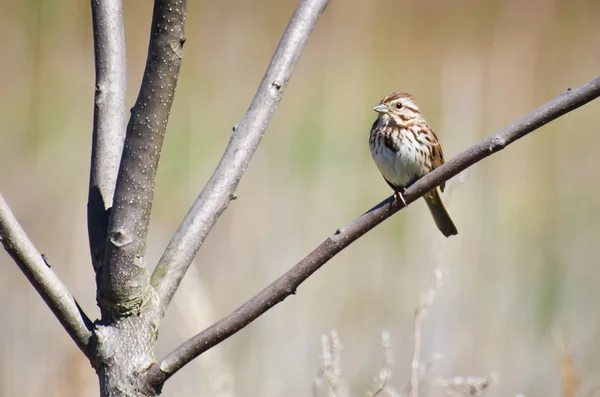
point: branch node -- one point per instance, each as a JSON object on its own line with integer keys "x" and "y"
{"x": 120, "y": 239}
{"x": 498, "y": 144}
{"x": 177, "y": 47}
{"x": 45, "y": 258}
{"x": 163, "y": 368}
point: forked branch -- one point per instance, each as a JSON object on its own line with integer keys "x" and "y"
{"x": 44, "y": 280}
{"x": 218, "y": 192}
{"x": 289, "y": 282}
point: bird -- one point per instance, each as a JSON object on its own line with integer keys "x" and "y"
{"x": 405, "y": 148}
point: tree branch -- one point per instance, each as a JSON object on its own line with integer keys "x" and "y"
{"x": 218, "y": 192}
{"x": 109, "y": 119}
{"x": 124, "y": 283}
{"x": 289, "y": 282}
{"x": 45, "y": 281}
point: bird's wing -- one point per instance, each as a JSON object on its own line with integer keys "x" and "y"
{"x": 437, "y": 156}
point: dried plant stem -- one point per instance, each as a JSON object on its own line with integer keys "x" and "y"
{"x": 420, "y": 313}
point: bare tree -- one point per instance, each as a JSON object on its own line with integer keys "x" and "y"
{"x": 120, "y": 345}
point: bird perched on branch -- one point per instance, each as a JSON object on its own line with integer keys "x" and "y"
{"x": 405, "y": 148}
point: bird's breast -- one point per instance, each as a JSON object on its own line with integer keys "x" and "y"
{"x": 399, "y": 156}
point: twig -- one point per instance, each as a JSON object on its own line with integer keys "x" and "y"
{"x": 109, "y": 118}
{"x": 124, "y": 282}
{"x": 287, "y": 284}
{"x": 218, "y": 192}
{"x": 44, "y": 280}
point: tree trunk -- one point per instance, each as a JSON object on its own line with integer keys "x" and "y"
{"x": 124, "y": 351}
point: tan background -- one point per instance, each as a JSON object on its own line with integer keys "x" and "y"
{"x": 524, "y": 266}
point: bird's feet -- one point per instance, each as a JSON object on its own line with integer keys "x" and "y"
{"x": 398, "y": 196}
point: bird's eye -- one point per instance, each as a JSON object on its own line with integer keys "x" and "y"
{"x": 398, "y": 105}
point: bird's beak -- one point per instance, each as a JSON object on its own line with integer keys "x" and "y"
{"x": 381, "y": 108}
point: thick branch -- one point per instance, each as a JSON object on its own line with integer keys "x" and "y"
{"x": 124, "y": 282}
{"x": 289, "y": 282}
{"x": 109, "y": 118}
{"x": 44, "y": 280}
{"x": 218, "y": 192}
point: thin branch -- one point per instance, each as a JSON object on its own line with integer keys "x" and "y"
{"x": 288, "y": 283}
{"x": 218, "y": 192}
{"x": 109, "y": 119}
{"x": 44, "y": 280}
{"x": 124, "y": 283}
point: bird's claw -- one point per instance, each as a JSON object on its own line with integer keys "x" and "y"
{"x": 400, "y": 197}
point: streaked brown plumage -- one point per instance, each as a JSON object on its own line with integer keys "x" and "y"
{"x": 405, "y": 148}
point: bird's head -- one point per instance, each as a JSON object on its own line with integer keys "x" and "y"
{"x": 398, "y": 107}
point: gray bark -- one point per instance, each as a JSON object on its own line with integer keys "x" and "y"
{"x": 123, "y": 280}
{"x": 123, "y": 351}
{"x": 109, "y": 119}
{"x": 123, "y": 339}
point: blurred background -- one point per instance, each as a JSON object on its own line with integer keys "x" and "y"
{"x": 520, "y": 280}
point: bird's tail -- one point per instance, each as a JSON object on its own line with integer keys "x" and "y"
{"x": 440, "y": 213}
